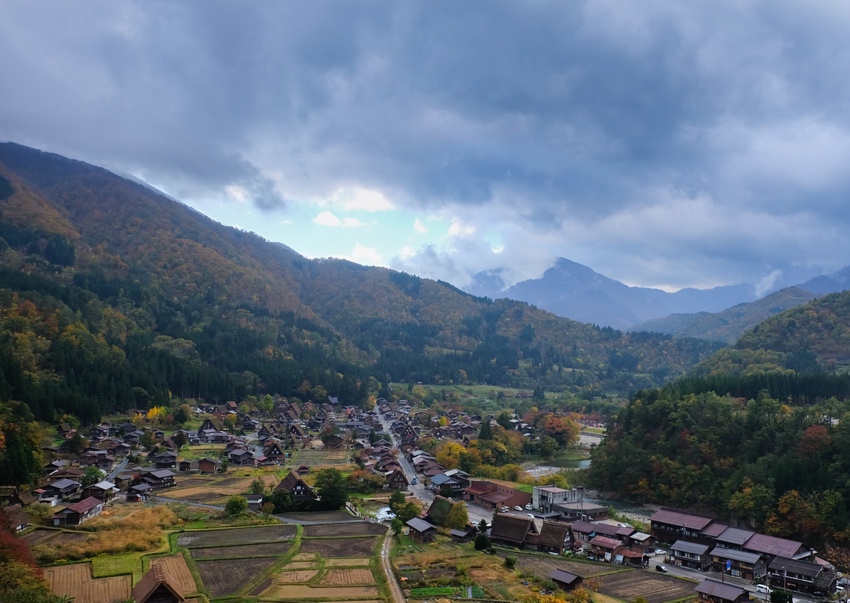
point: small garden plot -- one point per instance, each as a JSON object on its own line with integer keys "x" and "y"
{"x": 304, "y": 557}
{"x": 361, "y": 528}
{"x": 353, "y": 562}
{"x": 300, "y": 592}
{"x": 354, "y": 547}
{"x": 541, "y": 567}
{"x": 236, "y": 536}
{"x": 266, "y": 549}
{"x": 301, "y": 565}
{"x": 655, "y": 589}
{"x": 65, "y": 538}
{"x": 76, "y": 581}
{"x": 295, "y": 577}
{"x": 322, "y": 517}
{"x": 38, "y": 536}
{"x": 345, "y": 577}
{"x": 229, "y": 577}
{"x": 175, "y": 566}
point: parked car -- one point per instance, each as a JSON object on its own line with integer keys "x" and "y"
{"x": 517, "y": 508}
{"x": 529, "y": 515}
{"x": 503, "y": 509}
{"x": 661, "y": 568}
{"x": 529, "y": 507}
{"x": 660, "y": 552}
{"x": 763, "y": 588}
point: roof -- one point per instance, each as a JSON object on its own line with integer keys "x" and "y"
{"x": 64, "y": 483}
{"x": 640, "y": 536}
{"x": 721, "y": 590}
{"x": 803, "y": 568}
{"x": 605, "y": 543}
{"x": 439, "y": 510}
{"x": 735, "y": 536}
{"x": 420, "y": 525}
{"x": 734, "y": 555}
{"x": 598, "y": 528}
{"x": 495, "y": 497}
{"x": 679, "y": 519}
{"x": 157, "y": 576}
{"x": 104, "y": 485}
{"x": 772, "y": 545}
{"x": 563, "y": 577}
{"x": 288, "y": 483}
{"x": 554, "y": 533}
{"x": 510, "y": 527}
{"x": 84, "y": 506}
{"x": 689, "y": 547}
{"x": 714, "y": 529}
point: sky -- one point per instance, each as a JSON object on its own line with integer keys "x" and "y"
{"x": 663, "y": 144}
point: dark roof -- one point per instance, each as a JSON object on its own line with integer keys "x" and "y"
{"x": 563, "y": 577}
{"x": 735, "y": 536}
{"x": 721, "y": 590}
{"x": 439, "y": 510}
{"x": 600, "y": 528}
{"x": 803, "y": 568}
{"x": 761, "y": 543}
{"x": 510, "y": 527}
{"x": 420, "y": 525}
{"x": 680, "y": 519}
{"x": 714, "y": 529}
{"x": 606, "y": 543}
{"x": 86, "y": 505}
{"x": 689, "y": 547}
{"x": 157, "y": 576}
{"x": 734, "y": 555}
{"x": 63, "y": 483}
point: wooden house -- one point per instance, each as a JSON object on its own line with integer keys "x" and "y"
{"x": 421, "y": 531}
{"x": 297, "y": 488}
{"x": 157, "y": 586}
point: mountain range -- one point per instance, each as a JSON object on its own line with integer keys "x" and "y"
{"x": 112, "y": 294}
{"x": 572, "y": 290}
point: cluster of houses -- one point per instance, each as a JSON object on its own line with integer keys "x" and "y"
{"x": 704, "y": 543}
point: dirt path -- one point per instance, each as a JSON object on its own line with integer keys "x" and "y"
{"x": 395, "y": 590}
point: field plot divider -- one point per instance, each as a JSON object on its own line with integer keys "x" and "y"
{"x": 294, "y": 549}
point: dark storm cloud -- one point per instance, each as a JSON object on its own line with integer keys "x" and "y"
{"x": 578, "y": 116}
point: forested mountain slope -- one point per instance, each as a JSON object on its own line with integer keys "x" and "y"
{"x": 112, "y": 295}
{"x": 809, "y": 338}
{"x": 728, "y": 325}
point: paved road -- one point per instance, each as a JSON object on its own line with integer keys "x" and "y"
{"x": 395, "y": 589}
{"x": 118, "y": 469}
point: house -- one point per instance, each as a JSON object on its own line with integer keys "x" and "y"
{"x": 565, "y": 580}
{"x": 242, "y": 457}
{"x": 741, "y": 564}
{"x": 208, "y": 465}
{"x": 554, "y": 537}
{"x": 156, "y": 586}
{"x": 396, "y": 480}
{"x": 421, "y": 530}
{"x": 161, "y": 478}
{"x": 78, "y": 512}
{"x": 584, "y": 532}
{"x": 495, "y": 494}
{"x": 296, "y": 487}
{"x": 603, "y": 547}
{"x": 670, "y": 525}
{"x": 771, "y": 547}
{"x": 581, "y": 511}
{"x": 439, "y": 511}
{"x": 255, "y": 501}
{"x": 714, "y": 591}
{"x": 104, "y": 491}
{"x": 691, "y": 554}
{"x": 464, "y": 535}
{"x": 511, "y": 530}
{"x": 61, "y": 488}
{"x": 802, "y": 576}
{"x": 139, "y": 492}
{"x": 184, "y": 466}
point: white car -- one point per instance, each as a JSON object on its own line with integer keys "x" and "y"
{"x": 529, "y": 507}
{"x": 763, "y": 588}
{"x": 517, "y": 508}
{"x": 660, "y": 552}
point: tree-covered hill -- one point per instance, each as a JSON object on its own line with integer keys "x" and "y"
{"x": 112, "y": 295}
{"x": 727, "y": 326}
{"x": 809, "y": 338}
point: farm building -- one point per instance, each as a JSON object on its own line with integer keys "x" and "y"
{"x": 720, "y": 592}
{"x": 421, "y": 530}
{"x": 565, "y": 580}
{"x": 157, "y": 586}
{"x": 78, "y": 512}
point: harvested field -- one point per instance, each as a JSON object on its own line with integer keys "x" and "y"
{"x": 76, "y": 581}
{"x": 64, "y": 538}
{"x": 345, "y": 577}
{"x": 354, "y": 547}
{"x": 223, "y": 578}
{"x": 230, "y": 482}
{"x": 299, "y": 592}
{"x": 39, "y": 536}
{"x": 542, "y": 567}
{"x": 362, "y": 528}
{"x": 299, "y": 576}
{"x": 191, "y": 482}
{"x": 241, "y": 551}
{"x": 209, "y": 538}
{"x": 301, "y": 565}
{"x": 655, "y": 589}
{"x": 204, "y": 496}
{"x": 175, "y": 566}
{"x": 316, "y": 458}
{"x": 322, "y": 517}
{"x": 352, "y": 562}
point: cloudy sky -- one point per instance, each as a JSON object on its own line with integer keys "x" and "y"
{"x": 664, "y": 144}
